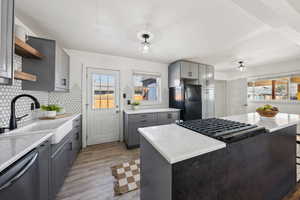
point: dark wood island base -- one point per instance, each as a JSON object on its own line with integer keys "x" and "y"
{"x": 258, "y": 168}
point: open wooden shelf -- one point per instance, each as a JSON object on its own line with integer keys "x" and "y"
{"x": 25, "y": 50}
{"x": 24, "y": 76}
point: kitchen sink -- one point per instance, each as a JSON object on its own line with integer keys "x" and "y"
{"x": 59, "y": 127}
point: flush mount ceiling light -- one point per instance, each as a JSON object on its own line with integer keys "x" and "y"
{"x": 145, "y": 37}
{"x": 241, "y": 67}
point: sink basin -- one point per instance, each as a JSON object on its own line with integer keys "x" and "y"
{"x": 59, "y": 127}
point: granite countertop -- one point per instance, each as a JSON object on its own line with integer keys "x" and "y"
{"x": 155, "y": 110}
{"x": 176, "y": 143}
{"x": 280, "y": 121}
{"x": 15, "y": 147}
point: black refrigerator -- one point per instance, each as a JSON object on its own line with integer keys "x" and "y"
{"x": 188, "y": 99}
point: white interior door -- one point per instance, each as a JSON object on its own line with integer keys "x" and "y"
{"x": 103, "y": 115}
{"x": 237, "y": 96}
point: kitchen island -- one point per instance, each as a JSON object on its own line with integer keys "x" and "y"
{"x": 178, "y": 163}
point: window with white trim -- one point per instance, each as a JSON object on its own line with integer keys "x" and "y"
{"x": 146, "y": 88}
{"x": 286, "y": 88}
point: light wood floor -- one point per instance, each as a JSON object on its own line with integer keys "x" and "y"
{"x": 90, "y": 177}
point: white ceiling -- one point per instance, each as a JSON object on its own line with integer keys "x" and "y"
{"x": 218, "y": 32}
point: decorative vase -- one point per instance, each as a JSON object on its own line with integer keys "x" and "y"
{"x": 50, "y": 114}
{"x": 135, "y": 107}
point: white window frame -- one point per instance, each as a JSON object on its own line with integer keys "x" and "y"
{"x": 154, "y": 74}
{"x": 276, "y": 76}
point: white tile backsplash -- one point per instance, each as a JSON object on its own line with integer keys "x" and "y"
{"x": 23, "y": 105}
{"x": 71, "y": 101}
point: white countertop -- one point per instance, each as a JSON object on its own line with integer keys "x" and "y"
{"x": 17, "y": 143}
{"x": 176, "y": 143}
{"x": 280, "y": 121}
{"x": 156, "y": 110}
{"x": 14, "y": 148}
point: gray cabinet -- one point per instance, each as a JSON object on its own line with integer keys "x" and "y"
{"x": 188, "y": 70}
{"x": 63, "y": 156}
{"x": 202, "y": 75}
{"x": 210, "y": 77}
{"x": 60, "y": 164}
{"x": 6, "y": 41}
{"x": 52, "y": 70}
{"x": 167, "y": 117}
{"x": 182, "y": 70}
{"x": 132, "y": 122}
{"x": 44, "y": 170}
{"x": 208, "y": 105}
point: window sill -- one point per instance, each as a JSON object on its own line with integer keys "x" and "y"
{"x": 275, "y": 101}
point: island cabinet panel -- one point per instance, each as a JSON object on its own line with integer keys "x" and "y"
{"x": 261, "y": 168}
{"x": 132, "y": 122}
{"x": 157, "y": 173}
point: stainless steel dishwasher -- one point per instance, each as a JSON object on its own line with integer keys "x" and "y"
{"x": 20, "y": 180}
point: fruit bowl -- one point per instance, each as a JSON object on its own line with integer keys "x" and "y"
{"x": 267, "y": 111}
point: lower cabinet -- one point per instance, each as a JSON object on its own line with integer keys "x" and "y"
{"x": 63, "y": 156}
{"x": 44, "y": 170}
{"x": 132, "y": 122}
{"x": 60, "y": 166}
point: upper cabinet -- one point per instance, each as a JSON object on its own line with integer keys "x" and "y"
{"x": 210, "y": 76}
{"x": 191, "y": 73}
{"x": 52, "y": 70}
{"x": 6, "y": 41}
{"x": 183, "y": 70}
{"x": 188, "y": 70}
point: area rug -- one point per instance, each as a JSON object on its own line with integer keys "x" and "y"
{"x": 127, "y": 177}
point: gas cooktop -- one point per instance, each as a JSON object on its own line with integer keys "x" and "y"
{"x": 221, "y": 129}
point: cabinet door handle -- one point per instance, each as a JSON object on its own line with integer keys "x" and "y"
{"x": 190, "y": 73}
{"x": 144, "y": 120}
{"x": 64, "y": 82}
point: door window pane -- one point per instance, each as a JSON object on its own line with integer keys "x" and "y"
{"x": 103, "y": 91}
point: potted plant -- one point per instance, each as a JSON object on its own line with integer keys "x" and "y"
{"x": 50, "y": 110}
{"x": 135, "y": 105}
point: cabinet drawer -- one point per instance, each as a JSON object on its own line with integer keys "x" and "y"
{"x": 168, "y": 117}
{"x": 143, "y": 118}
{"x": 77, "y": 122}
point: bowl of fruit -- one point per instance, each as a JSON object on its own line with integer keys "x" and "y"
{"x": 267, "y": 111}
